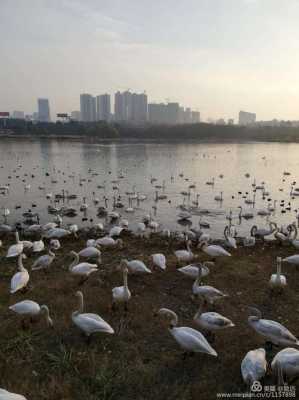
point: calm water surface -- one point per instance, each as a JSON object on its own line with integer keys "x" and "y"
{"x": 178, "y": 164}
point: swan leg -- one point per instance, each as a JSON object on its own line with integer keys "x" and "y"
{"x": 268, "y": 346}
{"x": 113, "y": 306}
{"x": 83, "y": 280}
{"x": 126, "y": 306}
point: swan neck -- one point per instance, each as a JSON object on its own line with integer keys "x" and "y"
{"x": 75, "y": 261}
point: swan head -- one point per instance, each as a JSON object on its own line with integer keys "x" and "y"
{"x": 254, "y": 314}
{"x": 170, "y": 315}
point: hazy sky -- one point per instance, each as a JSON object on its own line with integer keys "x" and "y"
{"x": 218, "y": 56}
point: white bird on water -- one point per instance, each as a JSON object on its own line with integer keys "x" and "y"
{"x": 189, "y": 339}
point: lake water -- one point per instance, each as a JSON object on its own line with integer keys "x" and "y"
{"x": 179, "y": 165}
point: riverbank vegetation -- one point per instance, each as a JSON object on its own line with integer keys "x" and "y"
{"x": 141, "y": 360}
{"x": 115, "y": 131}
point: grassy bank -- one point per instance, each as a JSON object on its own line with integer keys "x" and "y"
{"x": 142, "y": 360}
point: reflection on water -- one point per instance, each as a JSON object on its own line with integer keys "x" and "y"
{"x": 188, "y": 164}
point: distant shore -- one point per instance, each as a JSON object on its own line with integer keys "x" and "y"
{"x": 113, "y": 132}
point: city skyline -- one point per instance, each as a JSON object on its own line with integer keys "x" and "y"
{"x": 216, "y": 56}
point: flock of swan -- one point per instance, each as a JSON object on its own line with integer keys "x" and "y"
{"x": 285, "y": 364}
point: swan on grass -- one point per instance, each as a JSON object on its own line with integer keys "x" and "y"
{"x": 21, "y": 278}
{"x": 5, "y": 395}
{"x": 137, "y": 267}
{"x": 16, "y": 249}
{"x": 159, "y": 260}
{"x": 254, "y": 366}
{"x": 189, "y": 339}
{"x": 273, "y": 331}
{"x": 278, "y": 280}
{"x": 43, "y": 262}
{"x": 285, "y": 365}
{"x": 81, "y": 269}
{"x": 191, "y": 270}
{"x": 208, "y": 293}
{"x": 211, "y": 321}
{"x": 89, "y": 323}
{"x": 108, "y": 241}
{"x": 122, "y": 294}
{"x": 31, "y": 309}
{"x": 213, "y": 250}
{"x": 91, "y": 252}
{"x": 184, "y": 255}
{"x": 230, "y": 241}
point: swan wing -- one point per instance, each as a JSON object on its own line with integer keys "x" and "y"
{"x": 254, "y": 365}
{"x": 192, "y": 340}
{"x": 18, "y": 281}
{"x": 15, "y": 250}
{"x": 91, "y": 323}
{"x": 26, "y": 307}
{"x": 216, "y": 319}
{"x": 273, "y": 328}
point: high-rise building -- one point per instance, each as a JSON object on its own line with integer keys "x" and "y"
{"x": 18, "y": 115}
{"x": 139, "y": 108}
{"x": 157, "y": 113}
{"x": 75, "y": 115}
{"x": 246, "y": 118}
{"x": 103, "y": 107}
{"x": 173, "y": 111}
{"x": 87, "y": 107}
{"x": 119, "y": 107}
{"x": 43, "y": 110}
{"x": 195, "y": 117}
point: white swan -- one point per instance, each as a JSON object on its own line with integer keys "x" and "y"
{"x": 43, "y": 261}
{"x": 91, "y": 252}
{"x": 213, "y": 250}
{"x": 38, "y": 246}
{"x": 254, "y": 366}
{"x": 20, "y": 279}
{"x": 5, "y": 395}
{"x": 208, "y": 293}
{"x": 81, "y": 269}
{"x": 159, "y": 260}
{"x": 184, "y": 255}
{"x": 277, "y": 280}
{"x": 230, "y": 241}
{"x": 191, "y": 270}
{"x": 55, "y": 244}
{"x": 87, "y": 322}
{"x": 137, "y": 266}
{"x": 108, "y": 241}
{"x": 56, "y": 233}
{"x": 16, "y": 249}
{"x": 286, "y": 364}
{"x": 115, "y": 231}
{"x": 122, "y": 294}
{"x": 189, "y": 339}
{"x": 262, "y": 232}
{"x": 273, "y": 331}
{"x": 212, "y": 321}
{"x": 29, "y": 308}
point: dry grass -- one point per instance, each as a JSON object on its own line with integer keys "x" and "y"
{"x": 141, "y": 361}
